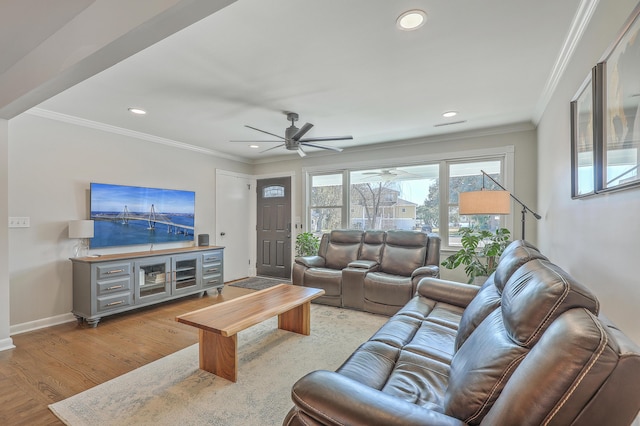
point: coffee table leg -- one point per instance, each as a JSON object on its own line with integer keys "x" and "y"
{"x": 219, "y": 354}
{"x": 297, "y": 319}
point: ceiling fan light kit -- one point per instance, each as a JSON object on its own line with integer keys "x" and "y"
{"x": 293, "y": 137}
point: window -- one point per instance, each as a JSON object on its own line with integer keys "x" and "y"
{"x": 464, "y": 177}
{"x": 392, "y": 198}
{"x": 325, "y": 203}
{"x": 416, "y": 197}
{"x": 274, "y": 191}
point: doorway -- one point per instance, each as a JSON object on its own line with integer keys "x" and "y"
{"x": 273, "y": 227}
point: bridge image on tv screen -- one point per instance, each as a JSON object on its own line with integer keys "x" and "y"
{"x": 132, "y": 215}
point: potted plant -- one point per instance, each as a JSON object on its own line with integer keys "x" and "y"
{"x": 479, "y": 253}
{"x": 307, "y": 244}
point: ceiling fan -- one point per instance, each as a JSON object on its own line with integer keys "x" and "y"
{"x": 387, "y": 175}
{"x": 293, "y": 137}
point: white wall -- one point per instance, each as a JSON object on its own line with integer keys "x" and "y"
{"x": 50, "y": 168}
{"x": 594, "y": 239}
{"x": 522, "y": 137}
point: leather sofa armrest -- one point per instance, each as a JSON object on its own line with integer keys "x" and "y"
{"x": 427, "y": 271}
{"x": 451, "y": 292}
{"x": 370, "y": 265}
{"x": 311, "y": 261}
{"x": 333, "y": 399}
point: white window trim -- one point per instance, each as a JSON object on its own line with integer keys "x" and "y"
{"x": 345, "y": 167}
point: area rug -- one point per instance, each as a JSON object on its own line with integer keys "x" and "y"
{"x": 174, "y": 391}
{"x": 259, "y": 283}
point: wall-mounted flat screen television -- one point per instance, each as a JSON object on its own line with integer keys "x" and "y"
{"x": 129, "y": 215}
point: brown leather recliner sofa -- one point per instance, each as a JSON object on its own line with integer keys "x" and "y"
{"x": 526, "y": 348}
{"x": 375, "y": 271}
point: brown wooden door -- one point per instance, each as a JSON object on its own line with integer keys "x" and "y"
{"x": 274, "y": 227}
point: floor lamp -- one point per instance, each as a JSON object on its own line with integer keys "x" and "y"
{"x": 491, "y": 202}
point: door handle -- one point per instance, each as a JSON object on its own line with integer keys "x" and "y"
{"x": 222, "y": 234}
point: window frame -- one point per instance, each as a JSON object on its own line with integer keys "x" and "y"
{"x": 505, "y": 154}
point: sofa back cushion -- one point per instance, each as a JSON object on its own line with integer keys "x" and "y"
{"x": 343, "y": 247}
{"x": 513, "y": 257}
{"x": 403, "y": 252}
{"x": 577, "y": 372}
{"x": 372, "y": 244}
{"x": 490, "y": 295}
{"x": 535, "y": 295}
{"x": 485, "y": 302}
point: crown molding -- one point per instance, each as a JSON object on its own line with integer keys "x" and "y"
{"x": 581, "y": 20}
{"x": 39, "y": 112}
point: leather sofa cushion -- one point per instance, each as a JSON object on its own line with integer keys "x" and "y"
{"x": 573, "y": 361}
{"x": 340, "y": 255}
{"x": 329, "y": 280}
{"x": 372, "y": 245}
{"x": 480, "y": 370}
{"x": 401, "y": 260}
{"x": 343, "y": 247}
{"x": 513, "y": 257}
{"x": 486, "y": 301}
{"x": 406, "y": 238}
{"x": 536, "y": 295}
{"x": 387, "y": 289}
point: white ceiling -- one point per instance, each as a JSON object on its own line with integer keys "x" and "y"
{"x": 341, "y": 65}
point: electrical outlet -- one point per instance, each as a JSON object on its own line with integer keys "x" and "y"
{"x": 19, "y": 222}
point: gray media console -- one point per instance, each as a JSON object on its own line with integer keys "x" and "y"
{"x": 115, "y": 283}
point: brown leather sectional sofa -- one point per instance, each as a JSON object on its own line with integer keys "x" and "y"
{"x": 526, "y": 348}
{"x": 375, "y": 271}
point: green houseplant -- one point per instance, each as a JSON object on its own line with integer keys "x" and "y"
{"x": 480, "y": 252}
{"x": 307, "y": 244}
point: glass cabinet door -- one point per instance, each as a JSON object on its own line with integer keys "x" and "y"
{"x": 153, "y": 279}
{"x": 185, "y": 273}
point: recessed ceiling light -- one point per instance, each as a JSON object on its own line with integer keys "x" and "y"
{"x": 137, "y": 111}
{"x": 411, "y": 20}
{"x": 254, "y": 146}
{"x": 449, "y": 114}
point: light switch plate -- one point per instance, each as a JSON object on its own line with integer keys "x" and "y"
{"x": 19, "y": 222}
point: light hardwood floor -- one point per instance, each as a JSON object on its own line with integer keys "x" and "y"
{"x": 54, "y": 363}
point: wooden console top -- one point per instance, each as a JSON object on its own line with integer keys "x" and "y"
{"x": 133, "y": 255}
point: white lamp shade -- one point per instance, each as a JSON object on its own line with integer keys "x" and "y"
{"x": 484, "y": 202}
{"x": 81, "y": 229}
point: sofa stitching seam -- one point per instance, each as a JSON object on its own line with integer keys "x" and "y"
{"x": 595, "y": 358}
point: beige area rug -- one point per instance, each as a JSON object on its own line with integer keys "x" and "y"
{"x": 174, "y": 391}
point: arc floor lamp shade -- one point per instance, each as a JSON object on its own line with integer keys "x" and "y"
{"x": 484, "y": 202}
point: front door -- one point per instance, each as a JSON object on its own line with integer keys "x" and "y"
{"x": 274, "y": 227}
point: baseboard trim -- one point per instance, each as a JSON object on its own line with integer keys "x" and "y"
{"x": 6, "y": 344}
{"x": 41, "y": 323}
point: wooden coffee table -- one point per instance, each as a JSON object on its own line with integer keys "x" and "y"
{"x": 220, "y": 323}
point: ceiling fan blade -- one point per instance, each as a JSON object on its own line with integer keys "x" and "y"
{"x": 316, "y": 145}
{"x": 278, "y": 146}
{"x": 300, "y": 133}
{"x": 254, "y": 141}
{"x": 301, "y": 153}
{"x": 258, "y": 130}
{"x": 327, "y": 138}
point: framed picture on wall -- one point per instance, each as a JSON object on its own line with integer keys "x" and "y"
{"x": 582, "y": 141}
{"x": 618, "y": 102}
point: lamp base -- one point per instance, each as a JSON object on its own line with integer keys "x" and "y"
{"x": 81, "y": 249}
